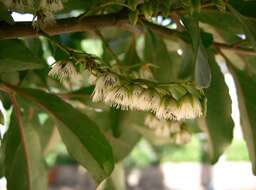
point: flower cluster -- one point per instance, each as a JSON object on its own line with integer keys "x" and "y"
{"x": 63, "y": 70}
{"x": 145, "y": 95}
{"x": 44, "y": 9}
{"x": 175, "y": 131}
{"x": 18, "y": 5}
{"x": 45, "y": 14}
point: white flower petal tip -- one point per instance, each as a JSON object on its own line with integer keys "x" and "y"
{"x": 63, "y": 71}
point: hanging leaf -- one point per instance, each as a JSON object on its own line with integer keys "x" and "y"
{"x": 218, "y": 122}
{"x": 131, "y": 56}
{"x": 200, "y": 58}
{"x": 245, "y": 86}
{"x": 92, "y": 150}
{"x": 15, "y": 56}
{"x": 247, "y": 26}
{"x": 187, "y": 66}
{"x": 24, "y": 168}
{"x": 123, "y": 144}
{"x": 156, "y": 52}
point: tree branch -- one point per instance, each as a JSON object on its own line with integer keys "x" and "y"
{"x": 91, "y": 23}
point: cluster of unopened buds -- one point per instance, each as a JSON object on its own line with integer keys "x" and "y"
{"x": 175, "y": 131}
{"x": 171, "y": 102}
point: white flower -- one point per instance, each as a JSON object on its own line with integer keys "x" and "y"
{"x": 19, "y": 5}
{"x": 167, "y": 109}
{"x": 51, "y": 5}
{"x": 135, "y": 94}
{"x": 111, "y": 80}
{"x": 166, "y": 128}
{"x": 103, "y": 86}
{"x": 98, "y": 92}
{"x": 44, "y": 18}
{"x": 118, "y": 96}
{"x": 149, "y": 100}
{"x": 189, "y": 108}
{"x": 181, "y": 137}
{"x": 197, "y": 107}
{"x": 146, "y": 73}
{"x": 92, "y": 79}
{"x": 63, "y": 70}
{"x": 185, "y": 108}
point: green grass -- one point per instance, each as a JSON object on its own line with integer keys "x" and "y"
{"x": 237, "y": 151}
{"x": 145, "y": 154}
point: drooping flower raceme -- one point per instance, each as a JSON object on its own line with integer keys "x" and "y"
{"x": 175, "y": 131}
{"x": 145, "y": 96}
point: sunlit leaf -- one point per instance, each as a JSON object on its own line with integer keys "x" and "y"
{"x": 246, "y": 98}
{"x": 24, "y": 166}
{"x": 218, "y": 122}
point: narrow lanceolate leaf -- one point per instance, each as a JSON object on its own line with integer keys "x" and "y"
{"x": 218, "y": 122}
{"x": 245, "y": 86}
{"x": 81, "y": 136}
{"x": 15, "y": 56}
{"x": 202, "y": 70}
{"x": 24, "y": 168}
{"x": 246, "y": 25}
{"x": 5, "y": 15}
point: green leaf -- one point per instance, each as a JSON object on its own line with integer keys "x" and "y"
{"x": 187, "y": 66}
{"x": 15, "y": 56}
{"x": 5, "y": 15}
{"x": 213, "y": 17}
{"x": 245, "y": 86}
{"x": 218, "y": 121}
{"x": 131, "y": 56}
{"x": 5, "y": 100}
{"x": 116, "y": 117}
{"x": 23, "y": 168}
{"x": 1, "y": 119}
{"x": 91, "y": 148}
{"x": 245, "y": 7}
{"x": 128, "y": 136}
{"x": 156, "y": 52}
{"x": 246, "y": 25}
{"x": 202, "y": 69}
